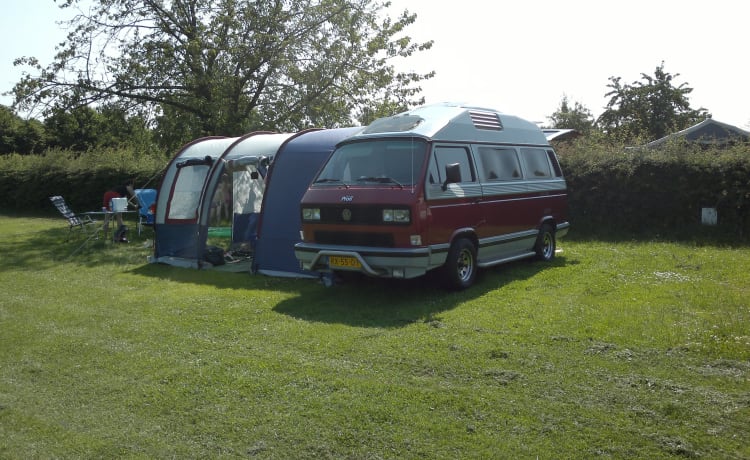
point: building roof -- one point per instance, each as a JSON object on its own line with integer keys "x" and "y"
{"x": 709, "y": 132}
{"x": 557, "y": 134}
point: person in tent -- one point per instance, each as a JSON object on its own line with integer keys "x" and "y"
{"x": 120, "y": 191}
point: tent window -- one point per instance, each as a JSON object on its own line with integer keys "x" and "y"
{"x": 187, "y": 193}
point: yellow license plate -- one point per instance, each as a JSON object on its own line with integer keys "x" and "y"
{"x": 343, "y": 262}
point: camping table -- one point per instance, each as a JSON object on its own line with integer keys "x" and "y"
{"x": 95, "y": 235}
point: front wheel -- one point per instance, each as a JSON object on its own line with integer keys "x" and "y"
{"x": 460, "y": 269}
{"x": 545, "y": 243}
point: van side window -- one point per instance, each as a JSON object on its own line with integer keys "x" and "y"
{"x": 450, "y": 155}
{"x": 555, "y": 163}
{"x": 536, "y": 163}
{"x": 499, "y": 163}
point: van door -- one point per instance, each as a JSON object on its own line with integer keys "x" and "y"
{"x": 452, "y": 205}
{"x": 503, "y": 204}
{"x": 547, "y": 189}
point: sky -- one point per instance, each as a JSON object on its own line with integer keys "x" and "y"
{"x": 521, "y": 57}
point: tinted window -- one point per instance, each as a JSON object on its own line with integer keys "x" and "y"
{"x": 451, "y": 155}
{"x": 555, "y": 164}
{"x": 499, "y": 163}
{"x": 536, "y": 163}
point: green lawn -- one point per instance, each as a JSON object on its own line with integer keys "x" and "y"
{"x": 614, "y": 350}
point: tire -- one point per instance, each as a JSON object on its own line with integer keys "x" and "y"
{"x": 460, "y": 269}
{"x": 545, "y": 243}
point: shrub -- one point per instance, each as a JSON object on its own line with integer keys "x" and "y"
{"x": 26, "y": 181}
{"x": 611, "y": 187}
{"x": 664, "y": 190}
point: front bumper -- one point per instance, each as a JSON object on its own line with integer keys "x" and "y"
{"x": 378, "y": 262}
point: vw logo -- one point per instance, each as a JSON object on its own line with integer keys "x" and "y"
{"x": 346, "y": 214}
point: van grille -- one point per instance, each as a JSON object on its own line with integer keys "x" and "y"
{"x": 358, "y": 215}
{"x": 486, "y": 120}
{"x": 381, "y": 240}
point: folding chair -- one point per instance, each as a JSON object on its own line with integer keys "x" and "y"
{"x": 146, "y": 205}
{"x": 83, "y": 223}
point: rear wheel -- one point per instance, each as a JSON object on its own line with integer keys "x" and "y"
{"x": 460, "y": 269}
{"x": 545, "y": 243}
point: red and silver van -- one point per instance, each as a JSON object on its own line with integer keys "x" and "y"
{"x": 438, "y": 187}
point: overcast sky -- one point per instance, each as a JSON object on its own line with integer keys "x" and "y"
{"x": 522, "y": 57}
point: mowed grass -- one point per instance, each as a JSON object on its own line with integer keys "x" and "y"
{"x": 614, "y": 350}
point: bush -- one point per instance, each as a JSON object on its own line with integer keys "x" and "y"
{"x": 611, "y": 187}
{"x": 27, "y": 181}
{"x": 657, "y": 191}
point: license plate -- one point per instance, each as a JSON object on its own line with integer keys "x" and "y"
{"x": 343, "y": 262}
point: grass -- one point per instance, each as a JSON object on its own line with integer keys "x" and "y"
{"x": 615, "y": 350}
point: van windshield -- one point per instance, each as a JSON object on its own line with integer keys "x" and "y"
{"x": 384, "y": 161}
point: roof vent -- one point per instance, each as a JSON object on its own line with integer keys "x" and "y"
{"x": 486, "y": 120}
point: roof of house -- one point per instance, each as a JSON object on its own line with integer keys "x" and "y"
{"x": 707, "y": 132}
{"x": 557, "y": 134}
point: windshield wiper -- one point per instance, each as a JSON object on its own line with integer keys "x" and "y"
{"x": 380, "y": 180}
{"x": 328, "y": 180}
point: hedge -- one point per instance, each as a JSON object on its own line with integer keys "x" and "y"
{"x": 611, "y": 188}
{"x": 27, "y": 181}
{"x": 657, "y": 191}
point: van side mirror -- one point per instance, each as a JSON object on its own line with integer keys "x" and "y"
{"x": 452, "y": 174}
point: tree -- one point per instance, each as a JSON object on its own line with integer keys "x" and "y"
{"x": 650, "y": 108}
{"x": 18, "y": 135}
{"x": 79, "y": 129}
{"x": 579, "y": 118}
{"x": 226, "y": 67}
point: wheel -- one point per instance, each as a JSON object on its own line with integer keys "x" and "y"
{"x": 545, "y": 243}
{"x": 460, "y": 269}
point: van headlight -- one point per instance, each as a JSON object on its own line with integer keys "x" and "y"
{"x": 396, "y": 216}
{"x": 310, "y": 213}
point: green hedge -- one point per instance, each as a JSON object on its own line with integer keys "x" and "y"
{"x": 611, "y": 188}
{"x": 27, "y": 181}
{"x": 657, "y": 191}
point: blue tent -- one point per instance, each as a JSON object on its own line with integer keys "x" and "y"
{"x": 267, "y": 174}
{"x": 292, "y": 170}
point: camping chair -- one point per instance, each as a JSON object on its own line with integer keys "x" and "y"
{"x": 146, "y": 206}
{"x": 82, "y": 223}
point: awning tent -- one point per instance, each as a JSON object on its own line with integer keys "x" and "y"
{"x": 292, "y": 170}
{"x": 176, "y": 221}
{"x": 267, "y": 174}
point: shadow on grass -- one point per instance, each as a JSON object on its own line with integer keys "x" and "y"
{"x": 358, "y": 301}
{"x": 38, "y": 249}
{"x": 387, "y": 303}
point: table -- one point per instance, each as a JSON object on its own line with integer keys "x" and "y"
{"x": 108, "y": 217}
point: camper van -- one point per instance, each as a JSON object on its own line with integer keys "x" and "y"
{"x": 441, "y": 187}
